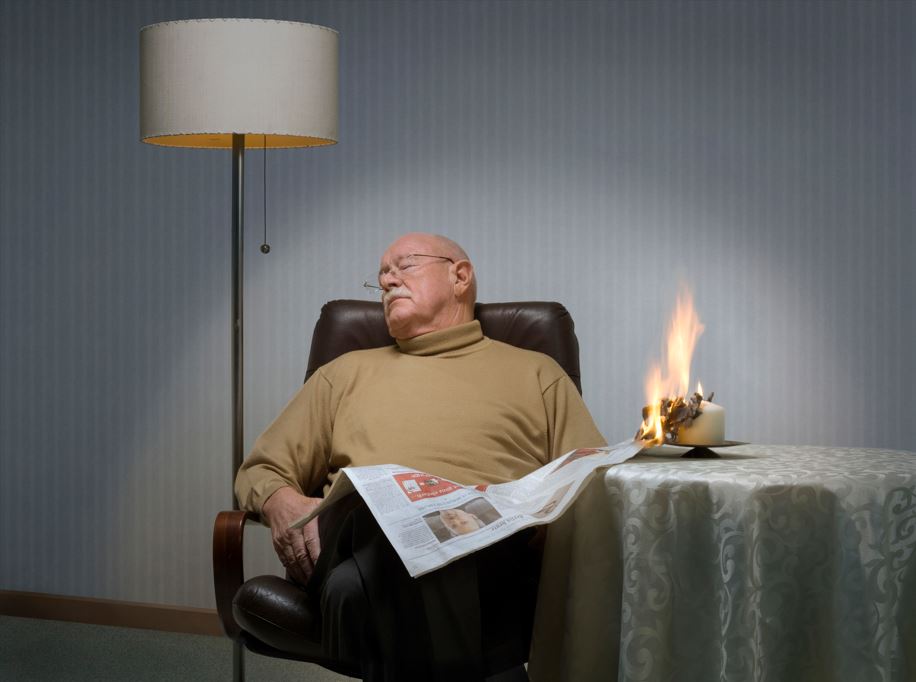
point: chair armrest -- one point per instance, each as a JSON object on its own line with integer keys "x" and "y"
{"x": 228, "y": 564}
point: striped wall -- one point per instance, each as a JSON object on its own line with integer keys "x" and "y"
{"x": 596, "y": 153}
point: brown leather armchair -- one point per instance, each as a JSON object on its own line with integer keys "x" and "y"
{"x": 271, "y": 616}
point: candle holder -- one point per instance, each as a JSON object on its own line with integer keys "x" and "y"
{"x": 705, "y": 451}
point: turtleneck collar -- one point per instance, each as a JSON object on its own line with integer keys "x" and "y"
{"x": 461, "y": 337}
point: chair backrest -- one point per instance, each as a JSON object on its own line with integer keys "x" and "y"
{"x": 541, "y": 326}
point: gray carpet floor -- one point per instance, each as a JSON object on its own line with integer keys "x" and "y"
{"x": 32, "y": 649}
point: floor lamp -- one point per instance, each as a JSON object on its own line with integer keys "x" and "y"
{"x": 232, "y": 84}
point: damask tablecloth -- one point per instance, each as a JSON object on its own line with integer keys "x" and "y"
{"x": 773, "y": 563}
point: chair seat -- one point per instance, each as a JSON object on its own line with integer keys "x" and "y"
{"x": 278, "y": 613}
{"x": 277, "y": 619}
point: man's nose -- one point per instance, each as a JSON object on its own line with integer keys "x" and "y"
{"x": 389, "y": 279}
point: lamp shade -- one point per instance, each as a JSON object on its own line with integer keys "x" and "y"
{"x": 204, "y": 79}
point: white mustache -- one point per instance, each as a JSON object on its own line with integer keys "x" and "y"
{"x": 396, "y": 292}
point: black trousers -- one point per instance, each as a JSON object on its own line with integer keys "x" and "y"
{"x": 463, "y": 622}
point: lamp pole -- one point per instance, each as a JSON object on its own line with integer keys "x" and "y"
{"x": 238, "y": 300}
{"x": 238, "y": 218}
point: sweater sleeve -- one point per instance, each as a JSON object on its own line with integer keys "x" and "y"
{"x": 569, "y": 423}
{"x": 294, "y": 450}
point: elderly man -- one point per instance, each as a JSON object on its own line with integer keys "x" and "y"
{"x": 445, "y": 400}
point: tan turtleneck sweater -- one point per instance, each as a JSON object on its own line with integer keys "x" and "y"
{"x": 451, "y": 403}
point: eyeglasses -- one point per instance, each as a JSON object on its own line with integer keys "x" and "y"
{"x": 403, "y": 267}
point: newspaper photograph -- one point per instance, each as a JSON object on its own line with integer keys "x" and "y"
{"x": 431, "y": 521}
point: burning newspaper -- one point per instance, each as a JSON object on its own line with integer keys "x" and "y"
{"x": 431, "y": 521}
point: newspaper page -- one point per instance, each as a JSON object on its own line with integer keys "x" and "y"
{"x": 431, "y": 521}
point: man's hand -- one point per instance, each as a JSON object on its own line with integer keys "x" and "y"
{"x": 297, "y": 548}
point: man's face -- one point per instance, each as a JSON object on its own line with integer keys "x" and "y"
{"x": 458, "y": 521}
{"x": 422, "y": 298}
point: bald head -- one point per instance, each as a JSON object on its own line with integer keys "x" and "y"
{"x": 459, "y": 522}
{"x": 429, "y": 284}
{"x": 445, "y": 246}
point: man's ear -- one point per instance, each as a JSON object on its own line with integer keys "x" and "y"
{"x": 464, "y": 275}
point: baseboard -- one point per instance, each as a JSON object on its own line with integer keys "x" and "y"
{"x": 110, "y": 612}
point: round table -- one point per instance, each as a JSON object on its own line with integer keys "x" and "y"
{"x": 769, "y": 563}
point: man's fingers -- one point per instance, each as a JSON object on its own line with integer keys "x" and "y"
{"x": 284, "y": 551}
{"x": 311, "y": 543}
{"x": 297, "y": 542}
{"x": 295, "y": 572}
{"x": 299, "y": 567}
{"x": 312, "y": 539}
{"x": 290, "y": 548}
{"x": 284, "y": 544}
{"x": 300, "y": 560}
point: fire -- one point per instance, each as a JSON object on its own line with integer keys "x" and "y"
{"x": 652, "y": 422}
{"x": 683, "y": 331}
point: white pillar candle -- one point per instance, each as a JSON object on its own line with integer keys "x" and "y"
{"x": 707, "y": 429}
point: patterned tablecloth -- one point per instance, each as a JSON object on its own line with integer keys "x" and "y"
{"x": 772, "y": 563}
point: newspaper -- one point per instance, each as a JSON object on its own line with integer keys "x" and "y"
{"x": 431, "y": 521}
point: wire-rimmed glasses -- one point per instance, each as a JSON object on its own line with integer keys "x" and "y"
{"x": 403, "y": 267}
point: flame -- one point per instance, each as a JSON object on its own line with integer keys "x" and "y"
{"x": 683, "y": 331}
{"x": 652, "y": 426}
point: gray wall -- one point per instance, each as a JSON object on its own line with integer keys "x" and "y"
{"x": 592, "y": 153}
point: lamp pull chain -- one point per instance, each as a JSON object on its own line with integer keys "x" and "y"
{"x": 265, "y": 247}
